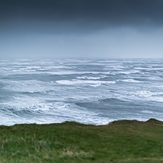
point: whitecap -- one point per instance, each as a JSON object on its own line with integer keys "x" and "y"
{"x": 130, "y": 81}
{"x": 143, "y": 93}
{"x": 84, "y": 82}
{"x": 129, "y": 72}
{"x": 147, "y": 111}
{"x": 91, "y": 77}
{"x": 149, "y": 95}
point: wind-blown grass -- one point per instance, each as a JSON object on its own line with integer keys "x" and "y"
{"x": 119, "y": 142}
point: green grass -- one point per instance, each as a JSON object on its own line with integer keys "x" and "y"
{"x": 119, "y": 142}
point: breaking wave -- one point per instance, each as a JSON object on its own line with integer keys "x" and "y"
{"x": 87, "y": 91}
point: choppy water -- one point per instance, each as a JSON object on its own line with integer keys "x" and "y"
{"x": 87, "y": 91}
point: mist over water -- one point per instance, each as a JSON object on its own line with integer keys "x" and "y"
{"x": 89, "y": 91}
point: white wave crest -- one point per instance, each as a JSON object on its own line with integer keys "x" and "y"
{"x": 130, "y": 81}
{"x": 149, "y": 95}
{"x": 84, "y": 82}
{"x": 91, "y": 77}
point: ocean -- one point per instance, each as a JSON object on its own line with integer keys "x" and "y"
{"x": 89, "y": 91}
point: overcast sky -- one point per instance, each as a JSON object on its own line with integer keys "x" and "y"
{"x": 81, "y": 28}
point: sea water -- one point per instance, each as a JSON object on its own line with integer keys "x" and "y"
{"x": 89, "y": 91}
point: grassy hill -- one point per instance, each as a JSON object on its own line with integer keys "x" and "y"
{"x": 119, "y": 142}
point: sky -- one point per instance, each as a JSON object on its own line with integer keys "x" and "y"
{"x": 81, "y": 28}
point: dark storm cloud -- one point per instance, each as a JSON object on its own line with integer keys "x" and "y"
{"x": 81, "y": 13}
{"x": 81, "y": 28}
